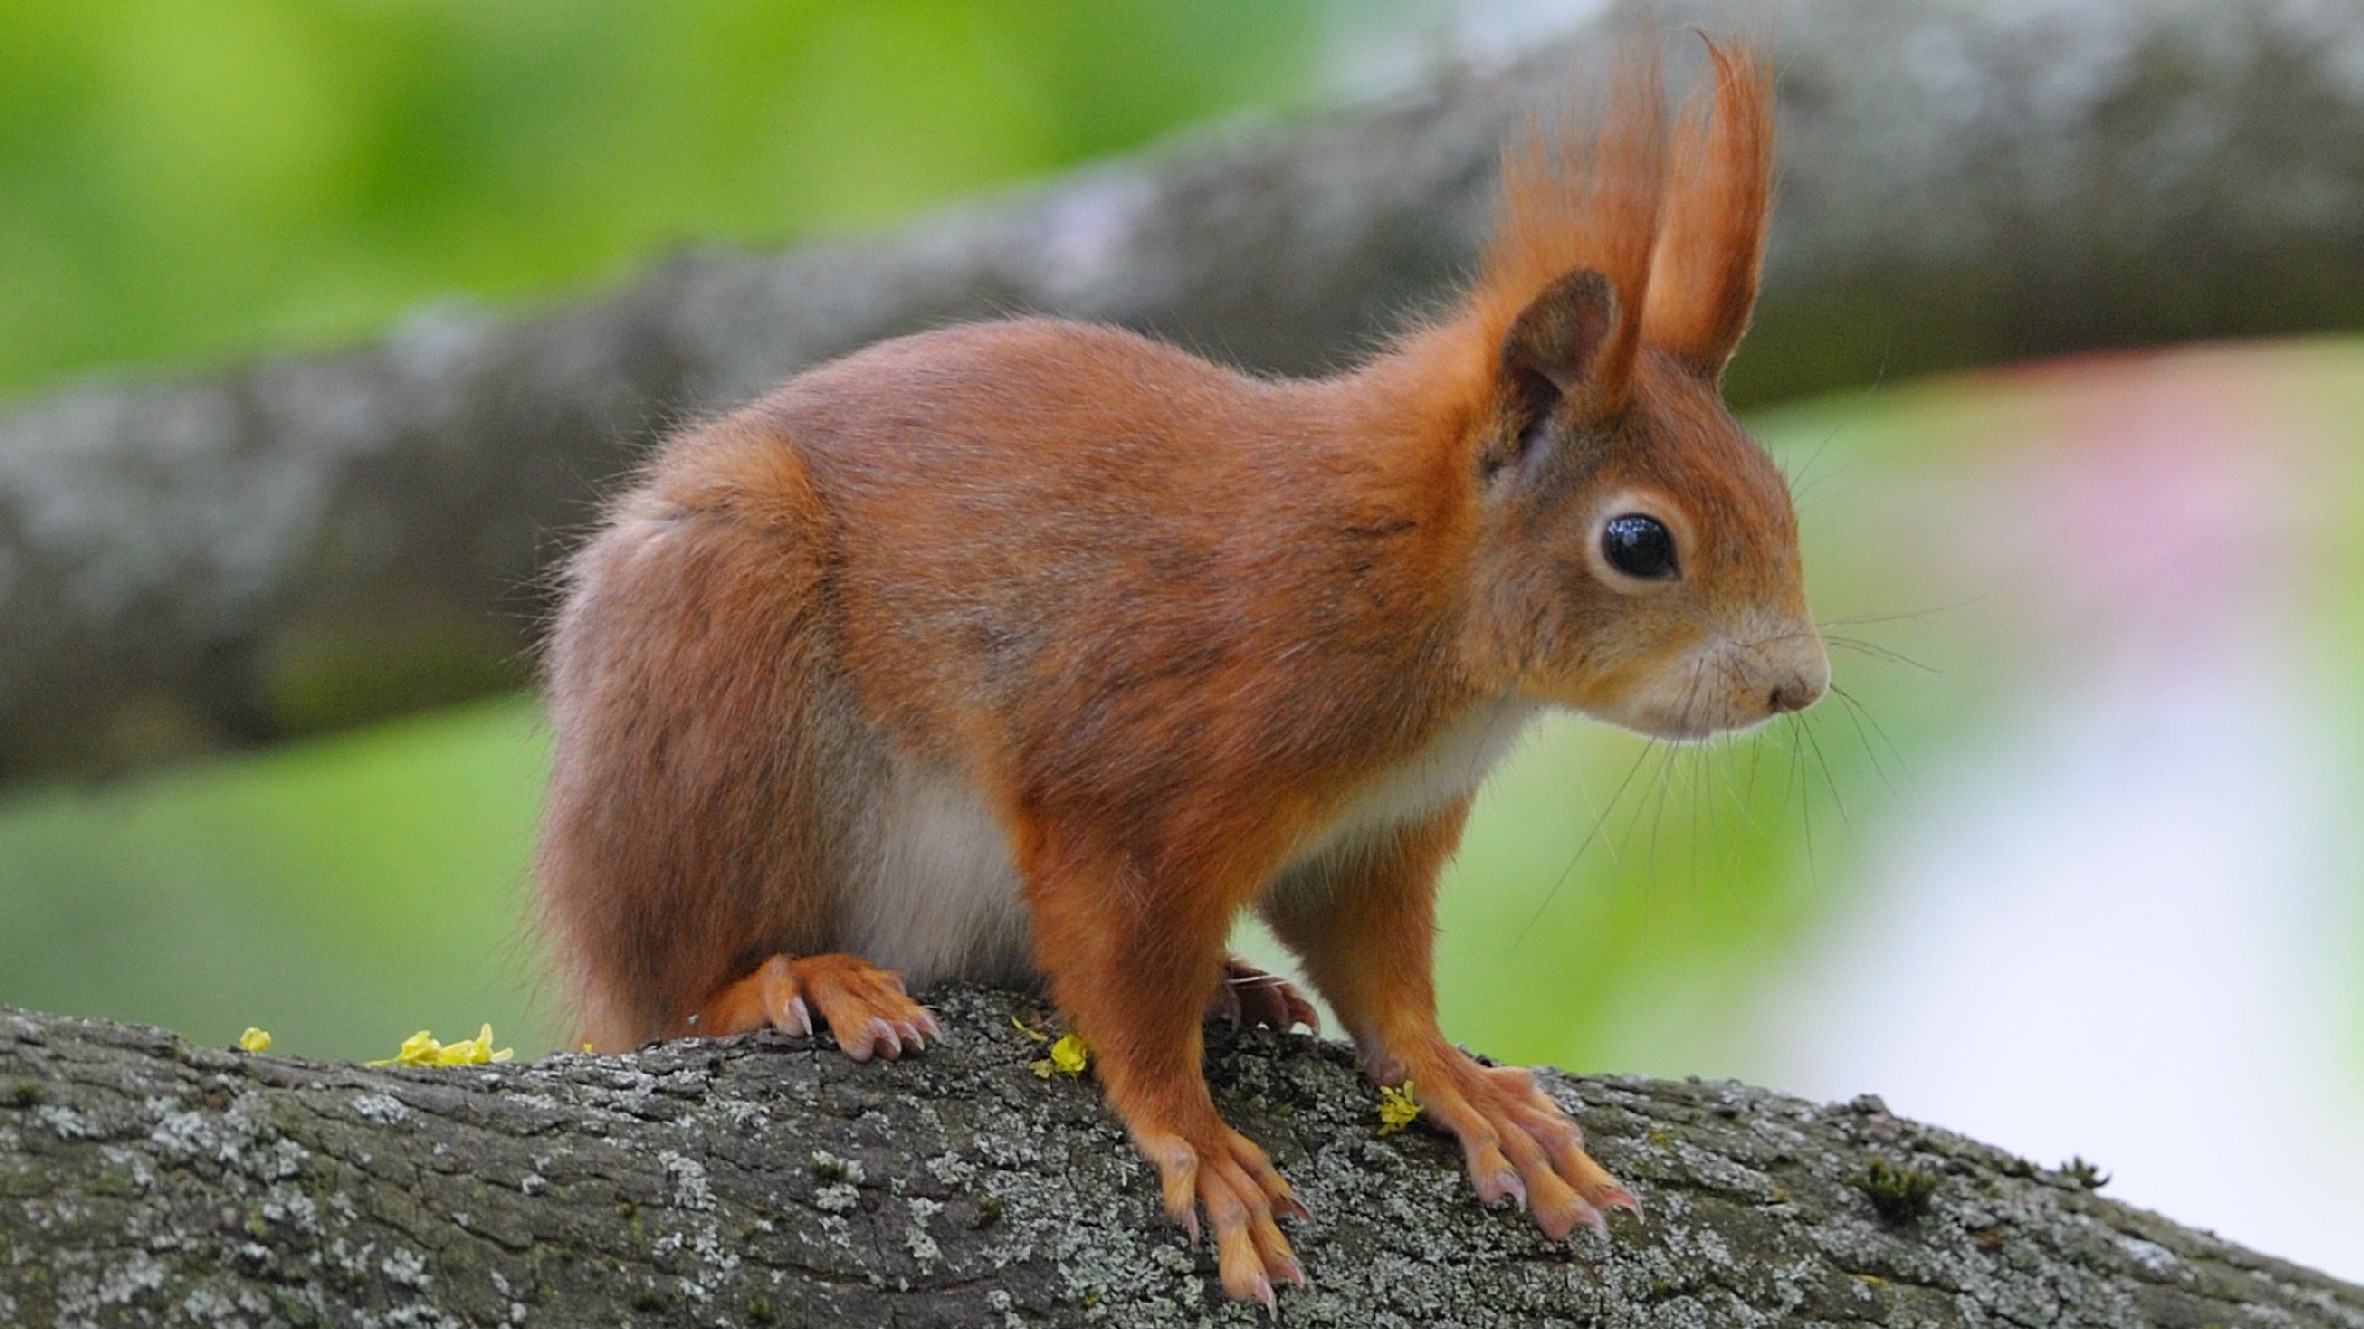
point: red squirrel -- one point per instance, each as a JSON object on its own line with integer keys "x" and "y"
{"x": 1038, "y": 648}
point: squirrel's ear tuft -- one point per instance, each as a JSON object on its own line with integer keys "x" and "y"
{"x": 1703, "y": 275}
{"x": 1554, "y": 354}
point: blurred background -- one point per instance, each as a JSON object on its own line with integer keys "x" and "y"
{"x": 2069, "y": 862}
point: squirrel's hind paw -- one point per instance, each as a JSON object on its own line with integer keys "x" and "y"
{"x": 863, "y": 1005}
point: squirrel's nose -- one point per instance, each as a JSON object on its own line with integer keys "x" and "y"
{"x": 1807, "y": 680}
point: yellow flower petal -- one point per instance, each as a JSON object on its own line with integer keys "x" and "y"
{"x": 1397, "y": 1107}
{"x": 422, "y": 1049}
{"x": 255, "y": 1040}
{"x": 1070, "y": 1055}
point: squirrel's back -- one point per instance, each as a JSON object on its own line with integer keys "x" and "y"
{"x": 1033, "y": 519}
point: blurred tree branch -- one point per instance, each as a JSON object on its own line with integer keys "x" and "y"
{"x": 773, "y": 1181}
{"x": 308, "y": 542}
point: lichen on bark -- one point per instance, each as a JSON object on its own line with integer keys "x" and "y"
{"x": 771, "y": 1181}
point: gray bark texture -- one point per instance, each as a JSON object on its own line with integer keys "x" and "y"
{"x": 310, "y": 542}
{"x": 772, "y": 1181}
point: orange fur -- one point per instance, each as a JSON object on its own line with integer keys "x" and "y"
{"x": 1038, "y": 648}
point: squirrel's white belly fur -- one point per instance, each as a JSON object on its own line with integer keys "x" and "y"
{"x": 939, "y": 893}
{"x": 938, "y": 890}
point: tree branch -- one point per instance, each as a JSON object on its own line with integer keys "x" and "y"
{"x": 771, "y": 1180}
{"x": 312, "y": 541}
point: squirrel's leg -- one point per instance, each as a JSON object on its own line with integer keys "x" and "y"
{"x": 1248, "y": 996}
{"x": 1132, "y": 974}
{"x": 863, "y": 1005}
{"x": 1365, "y": 930}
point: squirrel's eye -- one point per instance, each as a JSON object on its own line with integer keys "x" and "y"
{"x": 1638, "y": 546}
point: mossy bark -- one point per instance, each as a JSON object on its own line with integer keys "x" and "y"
{"x": 312, "y": 542}
{"x": 771, "y": 1181}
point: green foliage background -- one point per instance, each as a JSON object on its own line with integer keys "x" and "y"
{"x": 195, "y": 182}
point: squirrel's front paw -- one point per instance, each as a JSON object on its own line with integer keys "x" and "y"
{"x": 1226, "y": 1174}
{"x": 1518, "y": 1143}
{"x": 1246, "y": 995}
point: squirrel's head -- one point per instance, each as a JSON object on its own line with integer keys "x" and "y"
{"x": 1637, "y": 554}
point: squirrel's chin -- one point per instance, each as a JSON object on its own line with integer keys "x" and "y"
{"x": 1672, "y": 726}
